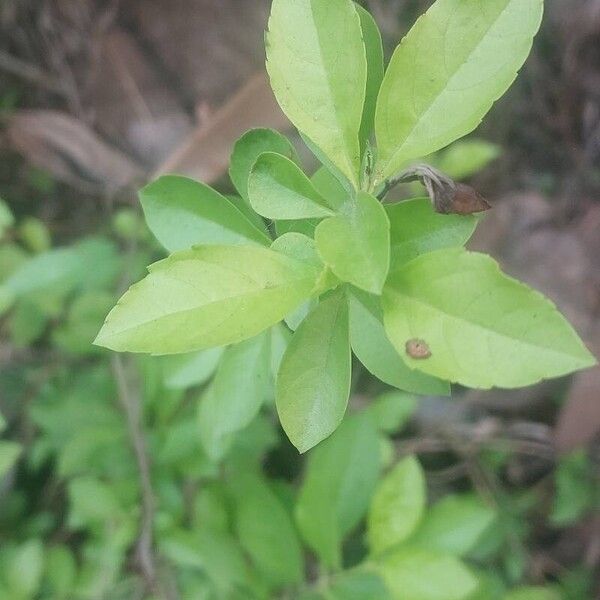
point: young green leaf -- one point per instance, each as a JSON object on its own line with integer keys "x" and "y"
{"x": 466, "y": 158}
{"x": 236, "y": 394}
{"x": 358, "y": 585}
{"x": 183, "y": 213}
{"x": 318, "y": 69}
{"x": 278, "y": 189}
{"x": 341, "y": 475}
{"x": 206, "y": 297}
{"x": 9, "y": 453}
{"x": 417, "y": 229}
{"x": 413, "y": 574}
{"x": 482, "y": 328}
{"x": 266, "y": 531}
{"x": 247, "y": 150}
{"x": 534, "y": 593}
{"x": 397, "y": 506}
{"x": 454, "y": 525}
{"x": 393, "y": 410}
{"x": 355, "y": 244}
{"x": 375, "y": 70}
{"x": 457, "y": 60}
{"x": 375, "y": 351}
{"x": 314, "y": 378}
{"x": 184, "y": 371}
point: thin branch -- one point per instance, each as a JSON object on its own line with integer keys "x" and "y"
{"x": 130, "y": 402}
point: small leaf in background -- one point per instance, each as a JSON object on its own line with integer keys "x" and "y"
{"x": 375, "y": 70}
{"x": 416, "y": 228}
{"x": 26, "y": 324}
{"x": 466, "y": 158}
{"x": 189, "y": 370}
{"x": 453, "y": 525}
{"x": 247, "y": 150}
{"x": 534, "y": 593}
{"x": 575, "y": 489}
{"x": 375, "y": 351}
{"x": 182, "y": 213}
{"x": 314, "y": 378}
{"x": 92, "y": 263}
{"x": 236, "y": 394}
{"x": 356, "y": 243}
{"x": 460, "y": 57}
{"x": 9, "y": 453}
{"x": 358, "y": 585}
{"x": 320, "y": 88}
{"x": 393, "y": 410}
{"x": 413, "y": 574}
{"x": 483, "y": 328}
{"x": 206, "y": 297}
{"x": 60, "y": 571}
{"x": 278, "y": 189}
{"x": 35, "y": 235}
{"x": 24, "y": 569}
{"x": 266, "y": 532}
{"x": 7, "y": 220}
{"x": 397, "y": 506}
{"x": 341, "y": 475}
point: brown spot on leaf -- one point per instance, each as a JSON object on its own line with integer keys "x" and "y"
{"x": 418, "y": 349}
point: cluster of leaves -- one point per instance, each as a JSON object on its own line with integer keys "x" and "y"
{"x": 263, "y": 316}
{"x": 345, "y": 272}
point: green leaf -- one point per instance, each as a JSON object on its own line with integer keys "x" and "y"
{"x": 375, "y": 71}
{"x": 247, "y": 150}
{"x": 356, "y": 243}
{"x": 414, "y": 574}
{"x": 467, "y": 157}
{"x": 189, "y": 370}
{"x": 9, "y": 453}
{"x": 235, "y": 396}
{"x": 318, "y": 69}
{"x": 207, "y": 297}
{"x": 314, "y": 378}
{"x": 24, "y": 569}
{"x": 341, "y": 475}
{"x": 89, "y": 264}
{"x": 329, "y": 187}
{"x": 575, "y": 489}
{"x": 454, "y": 525}
{"x": 534, "y": 593}
{"x": 358, "y": 585}
{"x": 266, "y": 532}
{"x": 393, "y": 410}
{"x": 278, "y": 189}
{"x": 183, "y": 213}
{"x": 7, "y": 220}
{"x": 483, "y": 328}
{"x": 457, "y": 60}
{"x": 417, "y": 229}
{"x": 397, "y": 507}
{"x": 60, "y": 572}
{"x": 375, "y": 351}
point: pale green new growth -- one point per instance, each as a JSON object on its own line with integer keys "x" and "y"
{"x": 483, "y": 328}
{"x": 278, "y": 189}
{"x": 355, "y": 244}
{"x": 397, "y": 506}
{"x": 183, "y": 213}
{"x": 205, "y": 297}
{"x": 457, "y": 60}
{"x": 318, "y": 68}
{"x": 314, "y": 378}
